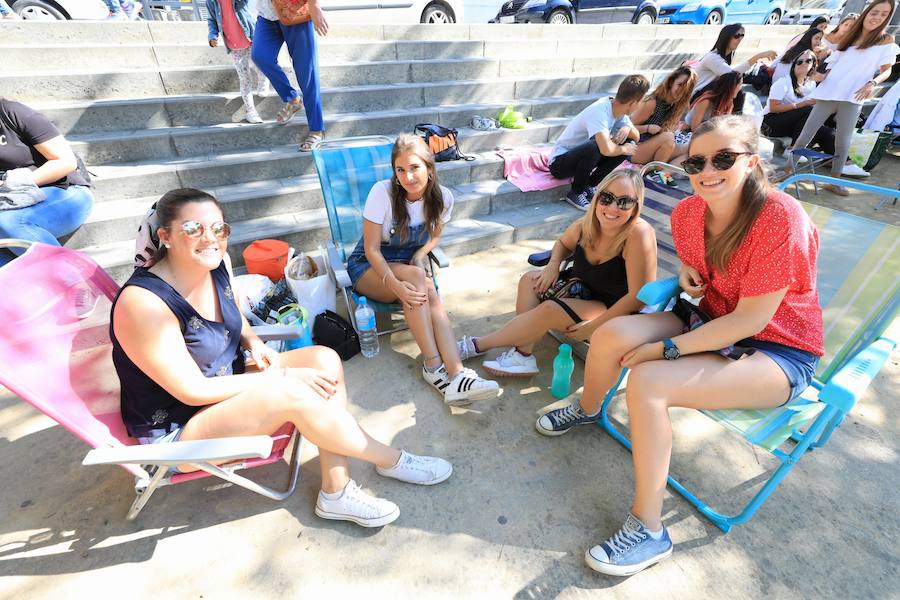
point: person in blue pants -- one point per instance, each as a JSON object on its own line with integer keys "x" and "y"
{"x": 35, "y": 156}
{"x": 6, "y": 12}
{"x": 268, "y": 38}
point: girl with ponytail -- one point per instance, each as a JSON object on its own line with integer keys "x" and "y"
{"x": 750, "y": 252}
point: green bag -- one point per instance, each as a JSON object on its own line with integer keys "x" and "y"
{"x": 511, "y": 119}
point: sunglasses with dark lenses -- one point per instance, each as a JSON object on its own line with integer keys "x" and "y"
{"x": 623, "y": 202}
{"x": 195, "y": 229}
{"x": 738, "y": 36}
{"x": 804, "y": 61}
{"x": 721, "y": 161}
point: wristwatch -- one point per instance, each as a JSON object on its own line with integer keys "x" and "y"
{"x": 670, "y": 350}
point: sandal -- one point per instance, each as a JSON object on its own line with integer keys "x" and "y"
{"x": 836, "y": 189}
{"x": 287, "y": 111}
{"x": 312, "y": 138}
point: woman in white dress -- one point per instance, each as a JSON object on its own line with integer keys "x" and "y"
{"x": 863, "y": 59}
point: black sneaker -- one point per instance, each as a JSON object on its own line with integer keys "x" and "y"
{"x": 579, "y": 200}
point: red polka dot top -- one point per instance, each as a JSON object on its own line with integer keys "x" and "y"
{"x": 778, "y": 252}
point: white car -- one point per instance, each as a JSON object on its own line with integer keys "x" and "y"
{"x": 807, "y": 12}
{"x": 393, "y": 11}
{"x": 52, "y": 10}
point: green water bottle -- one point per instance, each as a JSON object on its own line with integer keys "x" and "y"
{"x": 563, "y": 365}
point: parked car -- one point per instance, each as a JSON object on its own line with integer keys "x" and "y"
{"x": 718, "y": 12}
{"x": 393, "y": 11}
{"x": 564, "y": 12}
{"x": 53, "y": 10}
{"x": 807, "y": 12}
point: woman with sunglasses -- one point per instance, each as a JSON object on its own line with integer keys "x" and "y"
{"x": 750, "y": 252}
{"x": 657, "y": 117}
{"x": 863, "y": 60}
{"x": 178, "y": 342}
{"x": 811, "y": 40}
{"x": 717, "y": 62}
{"x": 789, "y": 104}
{"x": 613, "y": 254}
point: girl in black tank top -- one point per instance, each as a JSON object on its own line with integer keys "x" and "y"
{"x": 612, "y": 252}
{"x": 657, "y": 117}
{"x": 177, "y": 332}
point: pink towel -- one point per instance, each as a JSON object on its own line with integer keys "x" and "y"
{"x": 529, "y": 170}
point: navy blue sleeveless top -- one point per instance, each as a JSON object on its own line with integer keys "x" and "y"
{"x": 213, "y": 346}
{"x": 607, "y": 281}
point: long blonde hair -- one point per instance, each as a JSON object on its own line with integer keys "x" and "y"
{"x": 742, "y": 129}
{"x": 680, "y": 103}
{"x": 590, "y": 226}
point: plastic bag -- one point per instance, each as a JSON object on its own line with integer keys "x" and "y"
{"x": 861, "y": 145}
{"x": 753, "y": 109}
{"x": 316, "y": 294}
{"x": 249, "y": 290}
{"x": 511, "y": 119}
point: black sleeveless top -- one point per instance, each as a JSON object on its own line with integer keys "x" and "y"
{"x": 659, "y": 113}
{"x": 607, "y": 281}
{"x": 213, "y": 346}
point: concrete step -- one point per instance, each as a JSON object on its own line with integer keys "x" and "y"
{"x": 95, "y": 116}
{"x": 485, "y": 214}
{"x": 75, "y": 33}
{"x": 132, "y": 146}
{"x": 155, "y": 177}
{"x": 87, "y": 84}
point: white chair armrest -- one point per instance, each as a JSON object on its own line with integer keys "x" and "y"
{"x": 179, "y": 453}
{"x": 336, "y": 266}
{"x": 440, "y": 257}
{"x": 269, "y": 333}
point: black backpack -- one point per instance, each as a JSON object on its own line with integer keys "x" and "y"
{"x": 442, "y": 141}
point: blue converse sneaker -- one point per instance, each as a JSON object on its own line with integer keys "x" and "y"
{"x": 579, "y": 200}
{"x": 630, "y": 550}
{"x": 559, "y": 421}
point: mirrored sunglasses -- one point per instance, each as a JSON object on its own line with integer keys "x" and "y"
{"x": 195, "y": 229}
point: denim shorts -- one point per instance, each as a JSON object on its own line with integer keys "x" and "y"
{"x": 798, "y": 365}
{"x": 358, "y": 264}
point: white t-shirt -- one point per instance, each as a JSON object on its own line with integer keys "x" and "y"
{"x": 712, "y": 66}
{"x": 265, "y": 10}
{"x": 592, "y": 120}
{"x": 851, "y": 69}
{"x": 783, "y": 91}
{"x": 378, "y": 208}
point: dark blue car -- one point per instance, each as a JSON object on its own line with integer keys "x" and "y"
{"x": 563, "y": 12}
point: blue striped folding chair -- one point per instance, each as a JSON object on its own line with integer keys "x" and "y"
{"x": 859, "y": 290}
{"x": 347, "y": 169}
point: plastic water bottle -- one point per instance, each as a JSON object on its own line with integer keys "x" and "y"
{"x": 563, "y": 365}
{"x": 365, "y": 323}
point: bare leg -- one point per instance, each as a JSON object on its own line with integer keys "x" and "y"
{"x": 611, "y": 342}
{"x": 443, "y": 331}
{"x": 659, "y": 147}
{"x": 526, "y": 329}
{"x": 706, "y": 381}
{"x": 418, "y": 318}
{"x": 325, "y": 423}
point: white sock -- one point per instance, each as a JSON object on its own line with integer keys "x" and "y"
{"x": 333, "y": 495}
{"x": 655, "y": 534}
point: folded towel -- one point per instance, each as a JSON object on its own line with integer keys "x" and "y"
{"x": 529, "y": 170}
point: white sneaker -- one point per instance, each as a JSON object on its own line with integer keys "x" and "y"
{"x": 466, "y": 348}
{"x": 439, "y": 380}
{"x": 253, "y": 117}
{"x": 512, "y": 363}
{"x": 357, "y": 506}
{"x": 423, "y": 470}
{"x": 852, "y": 170}
{"x": 465, "y": 387}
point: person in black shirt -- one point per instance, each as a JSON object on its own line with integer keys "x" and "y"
{"x": 32, "y": 151}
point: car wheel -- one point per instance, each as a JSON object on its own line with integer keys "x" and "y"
{"x": 646, "y": 17}
{"x": 774, "y": 18}
{"x": 438, "y": 13}
{"x": 559, "y": 17}
{"x": 39, "y": 10}
{"x": 714, "y": 18}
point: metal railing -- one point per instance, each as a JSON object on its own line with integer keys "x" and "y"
{"x": 884, "y": 193}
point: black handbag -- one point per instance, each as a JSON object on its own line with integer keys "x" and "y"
{"x": 332, "y": 330}
{"x": 442, "y": 141}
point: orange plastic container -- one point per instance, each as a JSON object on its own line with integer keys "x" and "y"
{"x": 267, "y": 257}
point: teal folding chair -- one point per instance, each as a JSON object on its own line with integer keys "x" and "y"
{"x": 859, "y": 289}
{"x": 347, "y": 169}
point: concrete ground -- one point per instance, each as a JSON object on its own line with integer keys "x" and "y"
{"x": 513, "y": 521}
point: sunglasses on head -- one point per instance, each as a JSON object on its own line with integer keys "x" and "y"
{"x": 804, "y": 61}
{"x": 738, "y": 35}
{"x": 623, "y": 202}
{"x": 195, "y": 229}
{"x": 721, "y": 161}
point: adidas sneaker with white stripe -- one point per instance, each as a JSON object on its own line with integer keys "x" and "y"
{"x": 464, "y": 388}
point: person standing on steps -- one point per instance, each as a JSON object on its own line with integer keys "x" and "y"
{"x": 597, "y": 141}
{"x": 862, "y": 60}
{"x": 270, "y": 36}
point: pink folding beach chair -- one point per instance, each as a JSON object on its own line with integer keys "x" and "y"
{"x": 55, "y": 354}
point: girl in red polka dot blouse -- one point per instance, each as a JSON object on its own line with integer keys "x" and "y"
{"x": 750, "y": 252}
